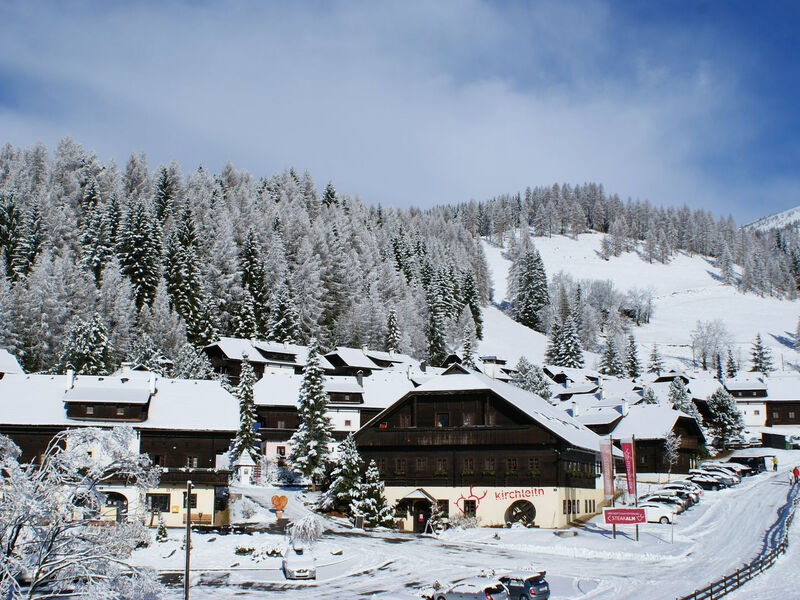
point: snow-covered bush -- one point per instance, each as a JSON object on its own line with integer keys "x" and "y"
{"x": 48, "y": 518}
{"x": 464, "y": 522}
{"x": 306, "y": 531}
{"x": 370, "y": 502}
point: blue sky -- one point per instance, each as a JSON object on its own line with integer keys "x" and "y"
{"x": 424, "y": 103}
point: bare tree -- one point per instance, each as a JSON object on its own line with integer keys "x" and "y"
{"x": 672, "y": 444}
{"x": 709, "y": 339}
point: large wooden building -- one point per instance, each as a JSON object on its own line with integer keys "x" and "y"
{"x": 186, "y": 426}
{"x": 482, "y": 448}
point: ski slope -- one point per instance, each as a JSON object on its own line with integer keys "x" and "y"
{"x": 685, "y": 290}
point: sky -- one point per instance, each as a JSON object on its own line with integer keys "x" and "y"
{"x": 425, "y": 103}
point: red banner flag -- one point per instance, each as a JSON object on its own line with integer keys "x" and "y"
{"x": 630, "y": 466}
{"x": 607, "y": 467}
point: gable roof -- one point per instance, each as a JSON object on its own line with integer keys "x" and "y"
{"x": 9, "y": 363}
{"x": 648, "y": 422}
{"x": 457, "y": 378}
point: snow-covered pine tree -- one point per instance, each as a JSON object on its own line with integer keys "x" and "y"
{"x": 283, "y": 325}
{"x": 251, "y": 266}
{"x": 569, "y": 354}
{"x": 632, "y": 366}
{"x": 191, "y": 363}
{"x": 797, "y": 336}
{"x": 527, "y": 289}
{"x": 139, "y": 252}
{"x": 437, "y": 322}
{"x": 244, "y": 322}
{"x": 610, "y": 362}
{"x": 725, "y": 265}
{"x": 672, "y": 444}
{"x": 718, "y": 366}
{"x": 161, "y": 534}
{"x": 649, "y": 396}
{"x": 164, "y": 193}
{"x": 393, "y": 333}
{"x": 31, "y": 240}
{"x": 530, "y": 377}
{"x": 329, "y": 196}
{"x": 655, "y": 364}
{"x": 371, "y": 502}
{"x": 553, "y": 352}
{"x": 246, "y": 439}
{"x": 724, "y": 419}
{"x": 10, "y": 230}
{"x": 310, "y": 443}
{"x": 680, "y": 400}
{"x": 87, "y": 349}
{"x": 731, "y": 367}
{"x": 760, "y": 357}
{"x": 346, "y": 477}
{"x": 471, "y": 299}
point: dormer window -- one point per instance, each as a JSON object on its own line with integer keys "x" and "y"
{"x": 120, "y": 411}
{"x": 90, "y": 410}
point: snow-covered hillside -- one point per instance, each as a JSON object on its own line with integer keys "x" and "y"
{"x": 685, "y": 291}
{"x": 778, "y": 220}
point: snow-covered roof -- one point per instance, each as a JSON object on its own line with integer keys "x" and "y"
{"x": 701, "y": 388}
{"x": 378, "y": 390}
{"x": 354, "y": 357}
{"x": 600, "y": 415}
{"x": 392, "y": 357}
{"x": 647, "y": 422}
{"x": 783, "y": 388}
{"x": 237, "y": 348}
{"x": 115, "y": 392}
{"x": 574, "y": 374}
{"x": 178, "y": 404}
{"x": 9, "y": 363}
{"x": 553, "y": 419}
{"x": 745, "y": 382}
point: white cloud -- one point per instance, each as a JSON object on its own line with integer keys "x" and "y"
{"x": 420, "y": 104}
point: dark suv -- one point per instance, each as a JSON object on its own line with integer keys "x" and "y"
{"x": 526, "y": 586}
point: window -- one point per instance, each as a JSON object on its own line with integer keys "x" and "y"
{"x": 754, "y": 393}
{"x": 444, "y": 507}
{"x": 405, "y": 420}
{"x": 642, "y": 459}
{"x": 774, "y": 414}
{"x": 469, "y": 418}
{"x": 564, "y": 507}
{"x": 533, "y": 464}
{"x": 443, "y": 419}
{"x": 120, "y": 411}
{"x": 158, "y": 502}
{"x": 791, "y": 414}
{"x": 281, "y": 451}
{"x": 488, "y": 464}
{"x": 400, "y": 466}
{"x": 348, "y": 423}
{"x": 491, "y": 417}
{"x": 381, "y": 465}
{"x": 756, "y": 412}
{"x": 468, "y": 465}
{"x": 191, "y": 461}
{"x": 158, "y": 460}
{"x": 192, "y": 500}
{"x": 281, "y": 425}
{"x": 90, "y": 410}
{"x": 511, "y": 465}
{"x": 470, "y": 507}
{"x": 347, "y": 397}
{"x": 441, "y": 465}
{"x": 422, "y": 464}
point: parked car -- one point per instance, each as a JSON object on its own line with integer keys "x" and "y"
{"x": 735, "y": 467}
{"x": 687, "y": 495}
{"x": 658, "y": 513}
{"x": 723, "y": 479}
{"x": 728, "y": 474}
{"x": 676, "y": 503}
{"x": 689, "y": 485}
{"x": 299, "y": 563}
{"x": 707, "y": 481}
{"x": 526, "y": 585}
{"x": 478, "y": 588}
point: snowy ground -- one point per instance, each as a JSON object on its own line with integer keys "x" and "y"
{"x": 685, "y": 291}
{"x": 721, "y": 533}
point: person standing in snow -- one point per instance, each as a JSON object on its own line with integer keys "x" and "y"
{"x": 774, "y": 463}
{"x": 795, "y": 474}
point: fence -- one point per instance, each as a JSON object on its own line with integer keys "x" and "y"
{"x": 731, "y": 582}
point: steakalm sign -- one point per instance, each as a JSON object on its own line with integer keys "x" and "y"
{"x": 624, "y": 516}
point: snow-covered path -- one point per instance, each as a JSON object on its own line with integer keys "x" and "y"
{"x": 720, "y": 534}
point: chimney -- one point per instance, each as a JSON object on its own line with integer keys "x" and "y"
{"x": 152, "y": 383}
{"x": 625, "y": 408}
{"x": 364, "y": 348}
{"x": 285, "y": 345}
{"x": 70, "y": 379}
{"x": 360, "y": 378}
{"x": 423, "y": 366}
{"x": 575, "y": 409}
{"x": 408, "y": 372}
{"x": 125, "y": 367}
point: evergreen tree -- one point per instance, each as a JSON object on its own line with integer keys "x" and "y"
{"x": 371, "y": 502}
{"x": 632, "y": 359}
{"x": 393, "y": 333}
{"x": 569, "y": 352}
{"x": 139, "y": 252}
{"x": 435, "y": 332}
{"x": 724, "y": 420}
{"x": 161, "y": 534}
{"x": 718, "y": 365}
{"x": 191, "y": 363}
{"x": 10, "y": 227}
{"x": 531, "y": 378}
{"x": 730, "y": 365}
{"x": 655, "y": 364}
{"x": 314, "y": 434}
{"x": 527, "y": 289}
{"x": 283, "y": 319}
{"x": 253, "y": 273}
{"x": 244, "y": 318}
{"x": 346, "y": 477}
{"x": 164, "y": 194}
{"x": 468, "y": 340}
{"x": 329, "y": 196}
{"x": 611, "y": 363}
{"x": 649, "y": 396}
{"x": 553, "y": 353}
{"x": 761, "y": 357}
{"x": 246, "y": 439}
{"x": 681, "y": 401}
{"x": 31, "y": 240}
{"x": 471, "y": 299}
{"x": 87, "y": 348}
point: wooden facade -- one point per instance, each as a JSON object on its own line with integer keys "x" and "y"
{"x": 783, "y": 413}
{"x": 463, "y": 438}
{"x": 107, "y": 411}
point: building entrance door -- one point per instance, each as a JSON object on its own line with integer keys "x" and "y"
{"x": 422, "y": 512}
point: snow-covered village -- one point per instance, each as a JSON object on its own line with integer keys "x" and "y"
{"x": 441, "y": 301}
